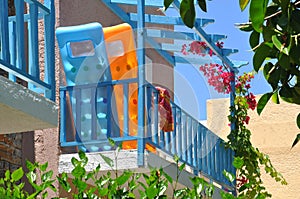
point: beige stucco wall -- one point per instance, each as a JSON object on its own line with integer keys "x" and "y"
{"x": 273, "y": 133}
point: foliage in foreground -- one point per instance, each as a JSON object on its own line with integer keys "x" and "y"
{"x": 128, "y": 184}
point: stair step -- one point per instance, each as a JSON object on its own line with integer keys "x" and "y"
{"x": 153, "y": 3}
{"x": 177, "y": 48}
{"x": 197, "y": 60}
{"x": 168, "y": 34}
{"x": 167, "y": 20}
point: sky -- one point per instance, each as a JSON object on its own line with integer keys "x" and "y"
{"x": 191, "y": 88}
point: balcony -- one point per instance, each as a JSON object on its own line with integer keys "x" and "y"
{"x": 104, "y": 99}
{"x": 27, "y": 100}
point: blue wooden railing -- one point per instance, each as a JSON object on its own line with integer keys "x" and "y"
{"x": 196, "y": 145}
{"x": 21, "y": 44}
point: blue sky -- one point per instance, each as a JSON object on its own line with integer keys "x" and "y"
{"x": 193, "y": 93}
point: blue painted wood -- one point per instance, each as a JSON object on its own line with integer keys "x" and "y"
{"x": 26, "y": 17}
{"x": 179, "y": 126}
{"x": 174, "y": 132}
{"x": 93, "y": 102}
{"x": 204, "y": 151}
{"x": 125, "y": 110}
{"x": 184, "y": 138}
{"x": 78, "y": 116}
{"x": 14, "y": 60}
{"x": 19, "y": 6}
{"x": 222, "y": 161}
{"x": 218, "y": 160}
{"x": 167, "y": 20}
{"x": 203, "y": 60}
{"x": 199, "y": 147}
{"x": 4, "y": 42}
{"x": 49, "y": 27}
{"x": 177, "y": 47}
{"x": 156, "y": 94}
{"x": 141, "y": 79}
{"x": 109, "y": 111}
{"x": 23, "y": 75}
{"x": 12, "y": 47}
{"x": 149, "y": 113}
{"x": 33, "y": 42}
{"x": 168, "y": 141}
{"x": 155, "y": 3}
{"x": 213, "y": 154}
{"x": 186, "y": 36}
{"x": 189, "y": 140}
{"x": 162, "y": 143}
{"x": 42, "y": 8}
{"x": 195, "y": 147}
{"x": 63, "y": 104}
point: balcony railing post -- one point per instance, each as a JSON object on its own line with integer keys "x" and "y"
{"x": 141, "y": 80}
{"x": 4, "y": 31}
{"x": 19, "y": 5}
{"x": 49, "y": 27}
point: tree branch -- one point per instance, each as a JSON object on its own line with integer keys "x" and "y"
{"x": 296, "y": 3}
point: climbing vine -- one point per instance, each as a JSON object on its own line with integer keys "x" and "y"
{"x": 248, "y": 159}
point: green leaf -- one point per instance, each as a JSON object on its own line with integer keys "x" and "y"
{"x": 294, "y": 53}
{"x": 245, "y": 27}
{"x": 296, "y": 140}
{"x": 238, "y": 162}
{"x": 268, "y": 32}
{"x": 257, "y": 13}
{"x": 273, "y": 76}
{"x": 31, "y": 176}
{"x": 262, "y": 102}
{"x": 294, "y": 22}
{"x": 151, "y": 192}
{"x": 80, "y": 185}
{"x": 123, "y": 178}
{"x": 83, "y": 157}
{"x": 63, "y": 181}
{"x": 169, "y": 178}
{"x": 187, "y": 12}
{"x": 181, "y": 167}
{"x": 275, "y": 98}
{"x": 298, "y": 120}
{"x": 17, "y": 174}
{"x": 45, "y": 194}
{"x": 75, "y": 162}
{"x": 254, "y": 39}
{"x": 167, "y": 4}
{"x": 111, "y": 142}
{"x": 279, "y": 45}
{"x": 284, "y": 61}
{"x": 229, "y": 176}
{"x": 260, "y": 55}
{"x": 243, "y": 4}
{"x": 107, "y": 160}
{"x": 103, "y": 191}
{"x": 202, "y": 5}
{"x": 47, "y": 176}
{"x": 78, "y": 172}
{"x": 43, "y": 167}
{"x": 30, "y": 166}
{"x": 289, "y": 95}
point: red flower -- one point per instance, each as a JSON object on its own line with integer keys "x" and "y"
{"x": 251, "y": 101}
{"x": 247, "y": 119}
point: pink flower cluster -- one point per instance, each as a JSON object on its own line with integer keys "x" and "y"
{"x": 220, "y": 79}
{"x": 217, "y": 77}
{"x": 199, "y": 48}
